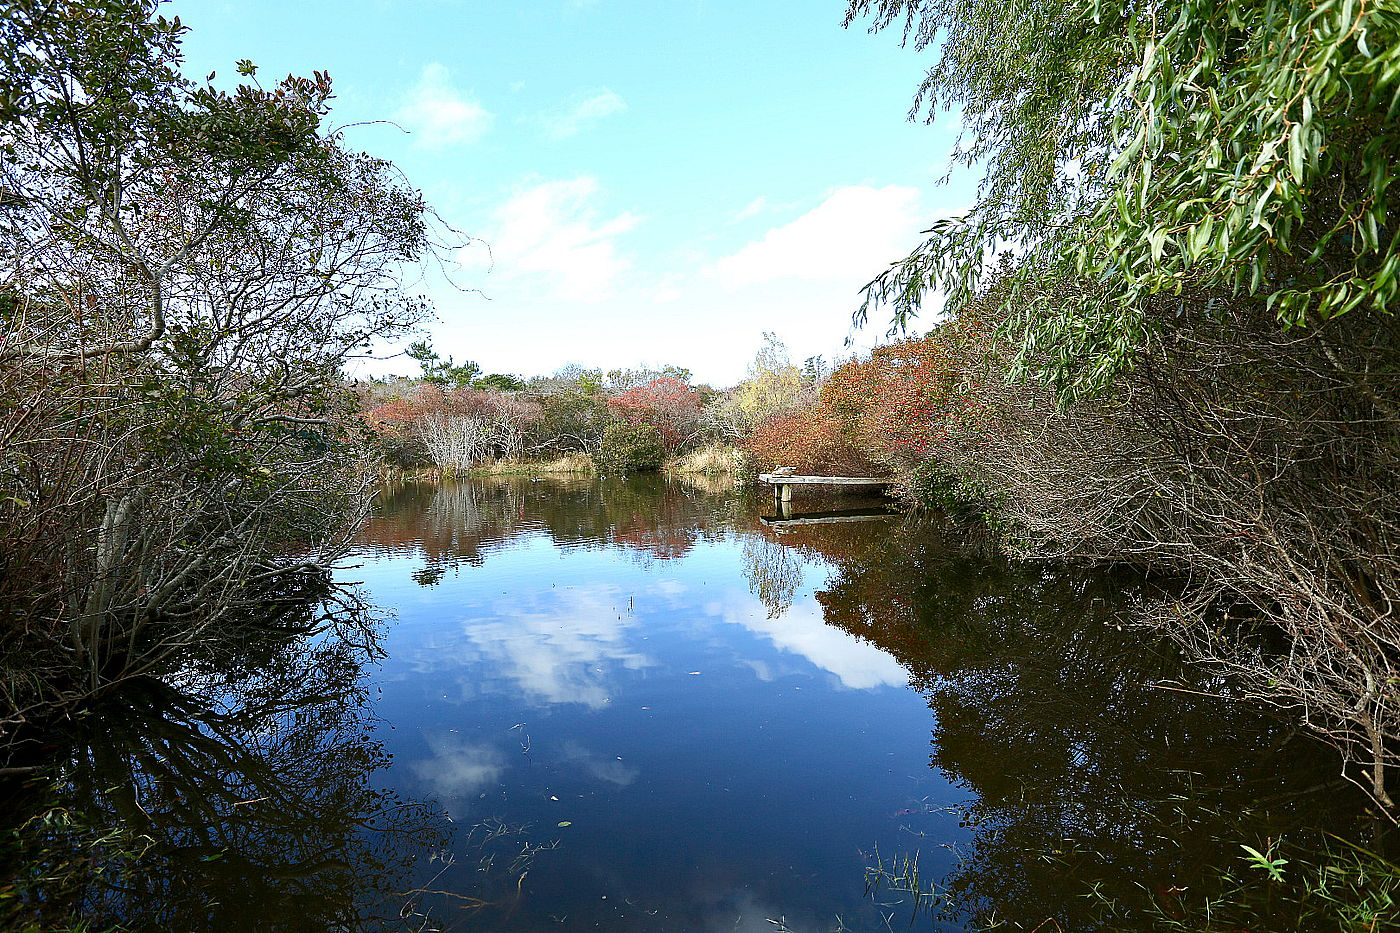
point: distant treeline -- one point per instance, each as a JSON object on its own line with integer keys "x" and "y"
{"x": 453, "y": 419}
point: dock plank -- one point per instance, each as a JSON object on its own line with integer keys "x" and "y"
{"x": 785, "y": 479}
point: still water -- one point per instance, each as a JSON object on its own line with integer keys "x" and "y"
{"x": 642, "y": 708}
{"x": 642, "y": 680}
{"x": 579, "y": 704}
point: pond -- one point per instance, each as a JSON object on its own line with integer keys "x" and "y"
{"x": 639, "y": 706}
{"x": 687, "y": 720}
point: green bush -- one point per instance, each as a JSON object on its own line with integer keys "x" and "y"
{"x": 630, "y": 448}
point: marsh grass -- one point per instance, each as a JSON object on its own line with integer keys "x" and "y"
{"x": 901, "y": 876}
{"x": 1279, "y": 886}
{"x": 575, "y": 462}
{"x": 502, "y": 854}
{"x": 711, "y": 460}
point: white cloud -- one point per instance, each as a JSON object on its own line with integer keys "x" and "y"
{"x": 562, "y": 646}
{"x": 849, "y": 237}
{"x": 756, "y": 206}
{"x": 803, "y": 631}
{"x": 599, "y": 767}
{"x": 553, "y": 234}
{"x": 671, "y": 289}
{"x": 439, "y": 115}
{"x": 458, "y": 768}
{"x": 582, "y": 114}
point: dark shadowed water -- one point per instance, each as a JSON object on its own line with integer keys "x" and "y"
{"x": 635, "y": 706}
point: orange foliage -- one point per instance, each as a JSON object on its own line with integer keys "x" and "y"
{"x": 399, "y": 415}
{"x": 810, "y": 440}
{"x": 911, "y": 400}
{"x": 906, "y": 403}
{"x": 895, "y": 403}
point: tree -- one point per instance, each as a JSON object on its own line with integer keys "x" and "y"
{"x": 457, "y": 428}
{"x": 573, "y": 420}
{"x": 773, "y": 383}
{"x": 574, "y": 377}
{"x": 438, "y": 371}
{"x": 810, "y": 439}
{"x": 666, "y": 404}
{"x": 1202, "y": 275}
{"x": 620, "y": 380}
{"x": 1233, "y": 149}
{"x": 500, "y": 382}
{"x": 630, "y": 448}
{"x": 183, "y": 270}
{"x": 896, "y": 404}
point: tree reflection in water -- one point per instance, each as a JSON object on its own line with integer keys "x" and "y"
{"x": 774, "y": 573}
{"x": 232, "y": 793}
{"x": 460, "y": 522}
{"x": 1111, "y": 785}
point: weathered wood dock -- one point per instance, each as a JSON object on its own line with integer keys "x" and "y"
{"x": 783, "y": 482}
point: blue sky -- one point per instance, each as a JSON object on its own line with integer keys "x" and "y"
{"x": 658, "y": 182}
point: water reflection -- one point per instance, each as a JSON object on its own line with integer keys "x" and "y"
{"x": 1111, "y": 784}
{"x": 460, "y": 522}
{"x": 231, "y": 793}
{"x": 607, "y": 683}
{"x": 632, "y": 706}
{"x": 713, "y": 721}
{"x": 564, "y": 646}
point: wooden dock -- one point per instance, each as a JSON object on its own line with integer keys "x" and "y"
{"x": 783, "y": 482}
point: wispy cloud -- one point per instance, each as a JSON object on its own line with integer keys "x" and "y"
{"x": 600, "y": 768}
{"x": 439, "y": 114}
{"x": 582, "y": 113}
{"x": 457, "y": 768}
{"x": 849, "y": 237}
{"x": 553, "y": 233}
{"x": 754, "y": 207}
{"x": 560, "y": 646}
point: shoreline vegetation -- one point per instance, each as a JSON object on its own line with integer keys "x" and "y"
{"x": 718, "y": 460}
{"x": 185, "y": 268}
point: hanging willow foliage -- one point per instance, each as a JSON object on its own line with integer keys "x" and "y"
{"x": 1242, "y": 149}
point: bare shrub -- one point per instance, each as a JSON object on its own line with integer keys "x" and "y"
{"x": 1259, "y": 465}
{"x": 183, "y": 272}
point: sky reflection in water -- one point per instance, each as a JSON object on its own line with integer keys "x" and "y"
{"x": 600, "y": 659}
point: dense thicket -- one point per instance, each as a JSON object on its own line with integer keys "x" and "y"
{"x": 183, "y": 270}
{"x": 457, "y": 423}
{"x": 1192, "y": 358}
{"x": 1238, "y": 150}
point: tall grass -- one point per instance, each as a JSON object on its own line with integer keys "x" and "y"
{"x": 572, "y": 462}
{"x": 714, "y": 459}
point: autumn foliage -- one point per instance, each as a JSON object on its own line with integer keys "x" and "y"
{"x": 666, "y": 404}
{"x": 455, "y": 427}
{"x": 811, "y": 440}
{"x": 908, "y": 403}
{"x": 909, "y": 399}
